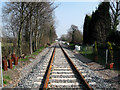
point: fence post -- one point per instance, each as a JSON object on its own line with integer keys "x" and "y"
{"x": 85, "y": 50}
{"x": 10, "y": 63}
{"x": 16, "y": 61}
{"x": 1, "y": 63}
{"x": 106, "y": 55}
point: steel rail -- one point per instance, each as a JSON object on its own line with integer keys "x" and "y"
{"x": 77, "y": 71}
{"x": 48, "y": 70}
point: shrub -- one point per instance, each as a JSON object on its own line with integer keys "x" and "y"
{"x": 110, "y": 51}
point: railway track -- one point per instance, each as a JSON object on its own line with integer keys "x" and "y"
{"x": 62, "y": 73}
{"x": 56, "y": 70}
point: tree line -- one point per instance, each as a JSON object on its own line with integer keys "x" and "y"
{"x": 101, "y": 29}
{"x": 101, "y": 26}
{"x": 73, "y": 36}
{"x": 30, "y": 25}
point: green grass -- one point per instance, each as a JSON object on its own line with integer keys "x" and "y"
{"x": 89, "y": 54}
{"x": 24, "y": 59}
{"x": 6, "y": 79}
{"x": 38, "y": 51}
{"x": 33, "y": 54}
{"x": 101, "y": 59}
{"x": 13, "y": 67}
{"x": 71, "y": 44}
{"x": 6, "y": 44}
{"x": 86, "y": 50}
{"x": 5, "y": 82}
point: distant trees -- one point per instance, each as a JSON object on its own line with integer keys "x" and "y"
{"x": 30, "y": 23}
{"x": 73, "y": 36}
{"x": 76, "y": 35}
{"x": 64, "y": 37}
{"x": 97, "y": 26}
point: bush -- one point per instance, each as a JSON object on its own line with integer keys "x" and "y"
{"x": 110, "y": 51}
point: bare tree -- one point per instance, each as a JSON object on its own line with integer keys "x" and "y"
{"x": 32, "y": 24}
{"x": 115, "y": 13}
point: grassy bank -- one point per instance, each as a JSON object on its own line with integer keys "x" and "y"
{"x": 8, "y": 75}
{"x": 87, "y": 51}
{"x": 33, "y": 55}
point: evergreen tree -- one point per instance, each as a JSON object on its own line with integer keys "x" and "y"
{"x": 86, "y": 31}
{"x": 100, "y": 24}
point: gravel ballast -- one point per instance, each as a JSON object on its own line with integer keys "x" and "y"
{"x": 62, "y": 75}
{"x": 28, "y": 69}
{"x": 94, "y": 79}
{"x": 34, "y": 78}
{"x": 32, "y": 75}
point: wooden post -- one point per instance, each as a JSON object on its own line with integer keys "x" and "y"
{"x": 13, "y": 56}
{"x": 1, "y": 62}
{"x": 16, "y": 61}
{"x": 5, "y": 66}
{"x": 10, "y": 63}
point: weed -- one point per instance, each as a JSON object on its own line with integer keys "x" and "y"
{"x": 13, "y": 67}
{"x": 32, "y": 55}
{"x": 6, "y": 77}
{"x": 5, "y": 82}
{"x": 25, "y": 59}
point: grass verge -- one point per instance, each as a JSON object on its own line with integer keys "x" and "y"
{"x": 33, "y": 55}
{"x": 88, "y": 53}
{"x": 6, "y": 79}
